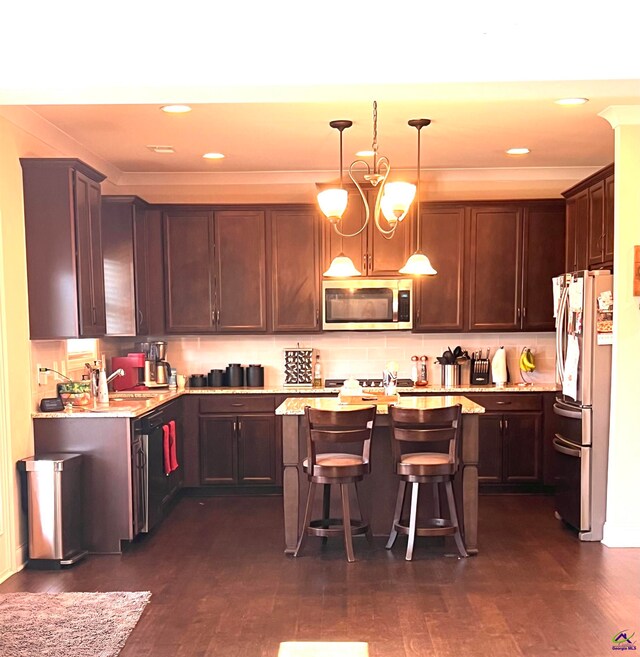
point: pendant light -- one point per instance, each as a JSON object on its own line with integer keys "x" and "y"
{"x": 418, "y": 263}
{"x": 333, "y": 203}
{"x": 393, "y": 199}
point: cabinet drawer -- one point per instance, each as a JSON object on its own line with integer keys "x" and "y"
{"x": 237, "y": 404}
{"x": 508, "y": 402}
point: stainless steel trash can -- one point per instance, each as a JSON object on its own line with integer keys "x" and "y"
{"x": 54, "y": 496}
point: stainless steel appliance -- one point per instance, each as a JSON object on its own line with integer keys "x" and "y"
{"x": 152, "y": 488}
{"x": 156, "y": 369}
{"x": 371, "y": 382}
{"x": 367, "y": 304}
{"x": 583, "y": 370}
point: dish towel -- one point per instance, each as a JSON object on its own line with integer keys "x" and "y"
{"x": 173, "y": 456}
{"x": 166, "y": 448}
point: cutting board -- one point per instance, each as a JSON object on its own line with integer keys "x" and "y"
{"x": 368, "y": 398}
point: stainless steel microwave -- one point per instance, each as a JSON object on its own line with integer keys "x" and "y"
{"x": 367, "y": 304}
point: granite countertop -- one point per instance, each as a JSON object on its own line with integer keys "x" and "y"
{"x": 135, "y": 404}
{"x": 295, "y": 405}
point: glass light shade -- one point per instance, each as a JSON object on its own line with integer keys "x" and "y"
{"x": 396, "y": 200}
{"x": 418, "y": 265}
{"x": 341, "y": 267}
{"x": 333, "y": 203}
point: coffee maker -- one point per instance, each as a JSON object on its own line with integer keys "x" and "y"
{"x": 133, "y": 366}
{"x": 156, "y": 369}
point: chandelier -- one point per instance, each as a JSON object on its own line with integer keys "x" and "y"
{"x": 392, "y": 202}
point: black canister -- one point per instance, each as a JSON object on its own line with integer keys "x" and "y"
{"x": 198, "y": 381}
{"x": 235, "y": 375}
{"x": 216, "y": 378}
{"x": 255, "y": 376}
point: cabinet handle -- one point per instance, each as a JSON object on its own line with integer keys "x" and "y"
{"x": 502, "y": 403}
{"x": 218, "y": 316}
{"x": 370, "y": 262}
{"x": 317, "y": 317}
{"x": 235, "y": 426}
{"x": 94, "y": 319}
{"x": 524, "y": 312}
{"x": 500, "y": 424}
{"x": 213, "y": 316}
{"x": 140, "y": 317}
{"x": 506, "y": 423}
{"x": 237, "y": 404}
{"x": 239, "y": 425}
{"x": 364, "y": 262}
{"x": 518, "y": 313}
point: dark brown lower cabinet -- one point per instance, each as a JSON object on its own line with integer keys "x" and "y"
{"x": 511, "y": 441}
{"x": 238, "y": 442}
{"x": 238, "y": 450}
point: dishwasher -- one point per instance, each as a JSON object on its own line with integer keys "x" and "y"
{"x": 152, "y": 488}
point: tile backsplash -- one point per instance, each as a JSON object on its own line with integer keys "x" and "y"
{"x": 342, "y": 354}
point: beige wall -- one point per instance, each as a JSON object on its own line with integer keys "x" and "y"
{"x": 622, "y": 527}
{"x": 16, "y": 439}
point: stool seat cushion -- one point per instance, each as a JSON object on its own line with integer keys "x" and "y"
{"x": 336, "y": 460}
{"x": 425, "y": 458}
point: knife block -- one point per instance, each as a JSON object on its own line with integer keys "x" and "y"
{"x": 480, "y": 371}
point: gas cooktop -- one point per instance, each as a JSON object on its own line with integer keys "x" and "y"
{"x": 368, "y": 383}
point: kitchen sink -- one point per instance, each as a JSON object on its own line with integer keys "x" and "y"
{"x": 132, "y": 397}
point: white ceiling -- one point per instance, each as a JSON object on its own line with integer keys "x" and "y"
{"x": 265, "y": 82}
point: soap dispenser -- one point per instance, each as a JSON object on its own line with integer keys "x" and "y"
{"x": 103, "y": 389}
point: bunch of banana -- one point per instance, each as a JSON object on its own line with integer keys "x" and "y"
{"x": 527, "y": 362}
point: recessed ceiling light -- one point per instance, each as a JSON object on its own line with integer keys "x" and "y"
{"x": 365, "y": 153}
{"x": 517, "y": 151}
{"x": 213, "y": 156}
{"x": 161, "y": 149}
{"x": 571, "y": 101}
{"x": 176, "y": 109}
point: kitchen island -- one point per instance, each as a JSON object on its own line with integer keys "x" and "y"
{"x": 378, "y": 490}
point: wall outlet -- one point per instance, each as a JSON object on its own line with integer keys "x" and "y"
{"x": 42, "y": 375}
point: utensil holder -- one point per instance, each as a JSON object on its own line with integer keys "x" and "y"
{"x": 450, "y": 375}
{"x": 255, "y": 376}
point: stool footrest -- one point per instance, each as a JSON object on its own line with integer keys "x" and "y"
{"x": 334, "y": 526}
{"x": 434, "y": 527}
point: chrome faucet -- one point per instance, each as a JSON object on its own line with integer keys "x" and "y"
{"x": 118, "y": 372}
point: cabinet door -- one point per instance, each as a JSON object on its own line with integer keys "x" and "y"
{"x": 439, "y": 299}
{"x": 118, "y": 254}
{"x": 218, "y": 450}
{"x": 141, "y": 269}
{"x": 490, "y": 448}
{"x": 240, "y": 278}
{"x": 90, "y": 274}
{"x": 295, "y": 267}
{"x": 523, "y": 448}
{"x": 257, "y": 450}
{"x": 570, "y": 260}
{"x": 188, "y": 239}
{"x": 544, "y": 251}
{"x": 493, "y": 296}
{"x": 353, "y": 247}
{"x": 595, "y": 245}
{"x": 582, "y": 229}
{"x": 608, "y": 219}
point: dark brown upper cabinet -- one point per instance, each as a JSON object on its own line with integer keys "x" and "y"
{"x": 590, "y": 222}
{"x": 495, "y": 252}
{"x": 124, "y": 246}
{"x": 439, "y": 299}
{"x": 372, "y": 253}
{"x": 64, "y": 248}
{"x": 514, "y": 251}
{"x": 295, "y": 270}
{"x": 216, "y": 279}
{"x": 544, "y": 251}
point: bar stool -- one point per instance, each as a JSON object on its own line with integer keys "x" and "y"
{"x": 336, "y": 428}
{"x": 414, "y": 432}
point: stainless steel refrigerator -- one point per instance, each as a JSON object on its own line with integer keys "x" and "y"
{"x": 584, "y": 313}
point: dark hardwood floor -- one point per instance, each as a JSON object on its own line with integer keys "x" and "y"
{"x": 222, "y": 586}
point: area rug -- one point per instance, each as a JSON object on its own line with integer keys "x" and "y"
{"x": 68, "y": 624}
